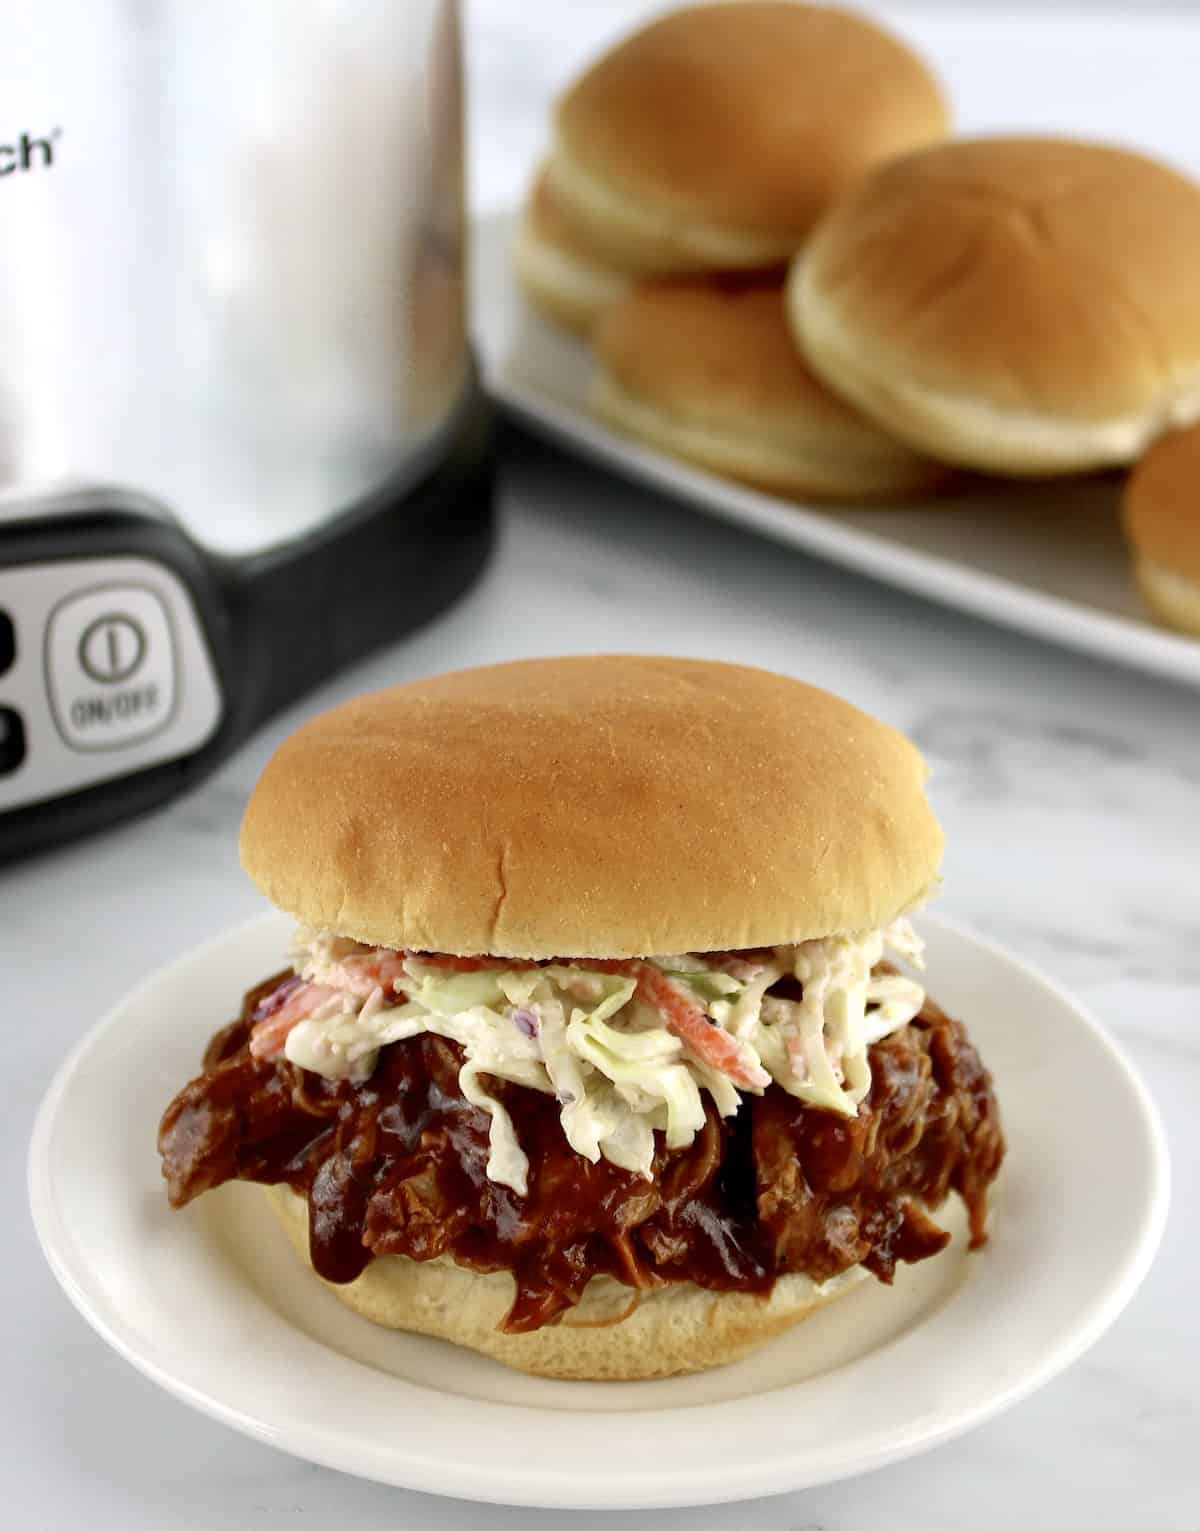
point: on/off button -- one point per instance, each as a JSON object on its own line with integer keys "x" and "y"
{"x": 110, "y": 662}
{"x": 112, "y": 648}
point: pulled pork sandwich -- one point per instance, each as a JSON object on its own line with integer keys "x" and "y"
{"x": 592, "y": 1055}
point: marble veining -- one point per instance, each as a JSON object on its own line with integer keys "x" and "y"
{"x": 1069, "y": 792}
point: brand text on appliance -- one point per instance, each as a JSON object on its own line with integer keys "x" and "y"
{"x": 29, "y": 153}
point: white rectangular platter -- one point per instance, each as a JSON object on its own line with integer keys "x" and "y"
{"x": 1048, "y": 560}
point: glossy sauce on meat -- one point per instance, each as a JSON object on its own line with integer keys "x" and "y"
{"x": 398, "y": 1165}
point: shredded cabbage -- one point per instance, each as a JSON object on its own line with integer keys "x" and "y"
{"x": 619, "y": 1068}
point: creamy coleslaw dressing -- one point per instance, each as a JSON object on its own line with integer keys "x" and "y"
{"x": 613, "y": 1060}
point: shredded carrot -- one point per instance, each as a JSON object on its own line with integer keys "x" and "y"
{"x": 686, "y": 1020}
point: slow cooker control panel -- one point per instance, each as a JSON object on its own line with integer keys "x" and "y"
{"x": 104, "y": 671}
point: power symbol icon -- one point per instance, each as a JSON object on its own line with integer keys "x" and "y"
{"x": 112, "y": 648}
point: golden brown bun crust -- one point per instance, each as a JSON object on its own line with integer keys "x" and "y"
{"x": 1015, "y": 304}
{"x": 544, "y": 216}
{"x": 705, "y": 367}
{"x": 746, "y": 118}
{"x": 595, "y": 806}
{"x": 560, "y": 275}
{"x": 1162, "y": 503}
{"x": 679, "y": 1328}
{"x": 1175, "y": 597}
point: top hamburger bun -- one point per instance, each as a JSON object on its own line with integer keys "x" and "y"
{"x": 705, "y": 367}
{"x": 716, "y": 136}
{"x": 1017, "y": 305}
{"x": 1162, "y": 522}
{"x": 606, "y": 806}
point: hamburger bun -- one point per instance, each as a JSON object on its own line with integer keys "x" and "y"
{"x": 1162, "y": 523}
{"x": 603, "y": 806}
{"x": 714, "y": 137}
{"x": 559, "y": 274}
{"x": 705, "y": 368}
{"x": 614, "y": 1335}
{"x": 1018, "y": 305}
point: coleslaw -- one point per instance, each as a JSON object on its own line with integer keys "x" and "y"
{"x": 628, "y": 1048}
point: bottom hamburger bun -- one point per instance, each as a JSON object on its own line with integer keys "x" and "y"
{"x": 705, "y": 368}
{"x": 1162, "y": 523}
{"x": 615, "y": 1334}
{"x": 559, "y": 274}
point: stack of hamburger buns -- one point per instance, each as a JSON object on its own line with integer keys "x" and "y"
{"x": 791, "y": 275}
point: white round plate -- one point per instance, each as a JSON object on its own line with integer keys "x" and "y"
{"x": 211, "y": 1304}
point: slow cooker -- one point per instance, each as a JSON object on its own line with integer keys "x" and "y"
{"x": 242, "y": 440}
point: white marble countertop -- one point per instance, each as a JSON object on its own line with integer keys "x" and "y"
{"x": 1070, "y": 791}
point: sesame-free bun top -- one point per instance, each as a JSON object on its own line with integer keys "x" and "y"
{"x": 1018, "y": 305}
{"x": 1162, "y": 503}
{"x": 1162, "y": 522}
{"x": 706, "y": 367}
{"x": 603, "y": 806}
{"x": 715, "y": 136}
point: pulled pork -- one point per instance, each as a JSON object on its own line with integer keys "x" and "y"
{"x": 398, "y": 1165}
